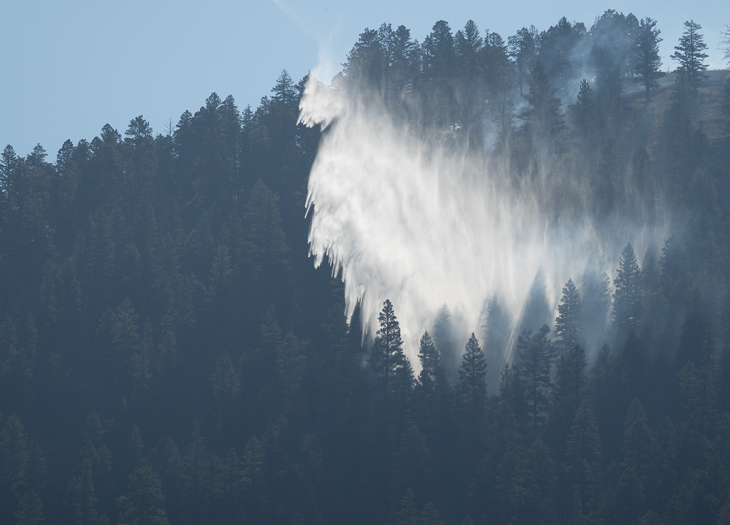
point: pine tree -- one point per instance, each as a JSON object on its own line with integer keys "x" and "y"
{"x": 697, "y": 386}
{"x": 694, "y": 329}
{"x": 439, "y": 51}
{"x": 135, "y": 450}
{"x": 143, "y": 502}
{"x": 540, "y": 481}
{"x": 585, "y": 115}
{"x": 543, "y": 114}
{"x": 407, "y": 513}
{"x": 125, "y": 334}
{"x": 36, "y": 469}
{"x": 723, "y": 376}
{"x": 629, "y": 496}
{"x": 567, "y": 324}
{"x": 431, "y": 379}
{"x": 48, "y": 294}
{"x": 439, "y": 68}
{"x": 226, "y": 385}
{"x": 627, "y": 299}
{"x": 468, "y": 43}
{"x": 581, "y": 467}
{"x": 290, "y": 370}
{"x": 386, "y": 356}
{"x": 283, "y": 91}
{"x": 494, "y": 58}
{"x": 197, "y": 471}
{"x": 30, "y": 509}
{"x": 366, "y": 63}
{"x": 225, "y": 487}
{"x": 725, "y": 43}
{"x": 497, "y": 486}
{"x": 252, "y": 461}
{"x": 567, "y": 396}
{"x": 610, "y": 55}
{"x": 81, "y": 501}
{"x": 509, "y": 487}
{"x": 690, "y": 55}
{"x": 141, "y": 159}
{"x": 413, "y": 464}
{"x": 638, "y": 442}
{"x": 92, "y": 428}
{"x": 523, "y": 49}
{"x": 664, "y": 475}
{"x": 174, "y": 481}
{"x": 403, "y": 55}
{"x": 8, "y": 163}
{"x": 471, "y": 389}
{"x": 430, "y": 363}
{"x": 443, "y": 339}
{"x": 633, "y": 367}
{"x": 265, "y": 244}
{"x": 534, "y": 359}
{"x": 13, "y": 460}
{"x": 646, "y": 56}
{"x": 512, "y": 392}
{"x": 142, "y": 363}
{"x": 555, "y": 45}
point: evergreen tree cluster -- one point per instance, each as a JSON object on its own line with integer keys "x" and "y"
{"x": 169, "y": 355}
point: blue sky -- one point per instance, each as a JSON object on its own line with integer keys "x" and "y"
{"x": 67, "y": 68}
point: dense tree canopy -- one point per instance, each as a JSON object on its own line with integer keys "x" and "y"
{"x": 169, "y": 355}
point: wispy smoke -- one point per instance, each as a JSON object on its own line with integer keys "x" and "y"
{"x": 426, "y": 224}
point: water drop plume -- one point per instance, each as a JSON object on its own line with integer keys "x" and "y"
{"x": 415, "y": 218}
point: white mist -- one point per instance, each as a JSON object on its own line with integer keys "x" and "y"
{"x": 407, "y": 220}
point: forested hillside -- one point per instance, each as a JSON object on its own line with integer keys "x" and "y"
{"x": 168, "y": 353}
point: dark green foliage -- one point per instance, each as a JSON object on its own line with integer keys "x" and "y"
{"x": 471, "y": 390}
{"x": 585, "y": 116}
{"x": 30, "y": 509}
{"x": 173, "y": 356}
{"x": 413, "y": 464}
{"x": 143, "y": 502}
{"x": 638, "y": 442}
{"x": 535, "y": 355}
{"x": 430, "y": 365}
{"x": 543, "y": 115}
{"x": 443, "y": 339}
{"x": 81, "y": 501}
{"x": 431, "y": 388}
{"x": 470, "y": 414}
{"x": 539, "y": 484}
{"x": 646, "y": 56}
{"x": 581, "y": 468}
{"x": 265, "y": 245}
{"x": 723, "y": 378}
{"x": 387, "y": 358}
{"x": 512, "y": 392}
{"x": 408, "y": 513}
{"x": 613, "y": 37}
{"x": 13, "y": 463}
{"x": 497, "y": 490}
{"x": 568, "y": 322}
{"x": 567, "y": 396}
{"x": 523, "y": 49}
{"x": 366, "y": 61}
{"x": 555, "y": 46}
{"x": 628, "y": 295}
{"x": 689, "y": 54}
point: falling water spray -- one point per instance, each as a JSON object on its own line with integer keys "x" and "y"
{"x": 425, "y": 224}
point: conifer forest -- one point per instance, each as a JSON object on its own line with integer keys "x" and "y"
{"x": 169, "y": 354}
